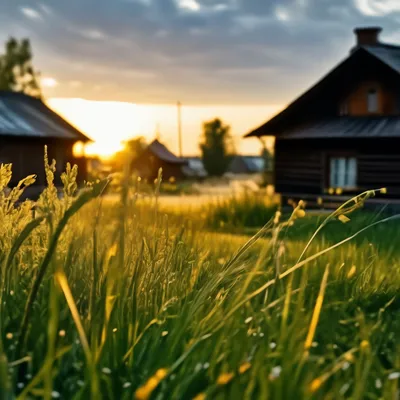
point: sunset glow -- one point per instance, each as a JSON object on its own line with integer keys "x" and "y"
{"x": 109, "y": 124}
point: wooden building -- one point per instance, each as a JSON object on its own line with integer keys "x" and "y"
{"x": 342, "y": 135}
{"x": 26, "y": 126}
{"x": 246, "y": 165}
{"x": 157, "y": 156}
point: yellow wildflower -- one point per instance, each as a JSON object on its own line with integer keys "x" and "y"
{"x": 315, "y": 385}
{"x": 145, "y": 391}
{"x": 352, "y": 272}
{"x": 383, "y": 190}
{"x": 172, "y": 179}
{"x": 349, "y": 357}
{"x": 224, "y": 378}
{"x": 331, "y": 190}
{"x": 200, "y": 396}
{"x": 320, "y": 201}
{"x": 339, "y": 191}
{"x": 364, "y": 345}
{"x": 244, "y": 367}
{"x": 300, "y": 213}
{"x": 343, "y": 218}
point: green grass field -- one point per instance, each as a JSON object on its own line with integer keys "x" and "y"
{"x": 125, "y": 300}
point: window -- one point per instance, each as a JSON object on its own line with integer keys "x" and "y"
{"x": 372, "y": 101}
{"x": 343, "y": 172}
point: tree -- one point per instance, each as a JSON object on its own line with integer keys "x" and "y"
{"x": 16, "y": 71}
{"x": 216, "y": 147}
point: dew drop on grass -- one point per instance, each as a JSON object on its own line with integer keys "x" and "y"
{"x": 28, "y": 376}
{"x": 378, "y": 383}
{"x": 106, "y": 371}
{"x": 261, "y": 334}
{"x": 272, "y": 345}
{"x": 20, "y": 385}
{"x": 80, "y": 383}
{"x": 206, "y": 365}
{"x": 126, "y": 385}
{"x": 55, "y": 395}
{"x": 345, "y": 365}
{"x": 276, "y": 371}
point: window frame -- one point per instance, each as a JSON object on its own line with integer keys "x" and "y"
{"x": 346, "y": 157}
{"x": 374, "y": 91}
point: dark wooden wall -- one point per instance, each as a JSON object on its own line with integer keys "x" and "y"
{"x": 27, "y": 157}
{"x": 302, "y": 165}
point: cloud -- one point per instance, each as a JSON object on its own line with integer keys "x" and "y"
{"x": 31, "y": 13}
{"x": 198, "y": 50}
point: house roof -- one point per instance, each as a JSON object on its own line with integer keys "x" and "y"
{"x": 343, "y": 127}
{"x": 23, "y": 115}
{"x": 160, "y": 151}
{"x": 309, "y": 105}
{"x": 250, "y": 164}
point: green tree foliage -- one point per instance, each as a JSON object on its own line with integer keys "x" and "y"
{"x": 216, "y": 147}
{"x": 16, "y": 71}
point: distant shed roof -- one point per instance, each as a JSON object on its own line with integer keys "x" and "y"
{"x": 23, "y": 115}
{"x": 159, "y": 150}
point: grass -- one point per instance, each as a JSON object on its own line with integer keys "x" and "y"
{"x": 118, "y": 300}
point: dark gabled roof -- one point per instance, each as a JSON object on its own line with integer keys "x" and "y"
{"x": 249, "y": 164}
{"x": 346, "y": 127}
{"x": 23, "y": 115}
{"x": 160, "y": 151}
{"x": 308, "y": 103}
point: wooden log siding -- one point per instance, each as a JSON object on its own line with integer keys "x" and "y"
{"x": 302, "y": 166}
{"x": 297, "y": 169}
{"x": 380, "y": 170}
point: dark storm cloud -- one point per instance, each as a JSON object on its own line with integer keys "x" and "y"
{"x": 198, "y": 50}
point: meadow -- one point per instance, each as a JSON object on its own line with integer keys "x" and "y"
{"x": 235, "y": 300}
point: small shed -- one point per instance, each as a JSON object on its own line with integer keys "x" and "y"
{"x": 26, "y": 126}
{"x": 156, "y": 156}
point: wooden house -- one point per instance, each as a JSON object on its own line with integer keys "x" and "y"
{"x": 26, "y": 126}
{"x": 343, "y": 134}
{"x": 156, "y": 156}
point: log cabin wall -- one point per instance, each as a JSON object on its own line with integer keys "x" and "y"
{"x": 302, "y": 166}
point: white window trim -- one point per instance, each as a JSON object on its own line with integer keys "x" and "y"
{"x": 343, "y": 172}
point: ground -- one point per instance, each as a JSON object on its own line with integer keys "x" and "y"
{"x": 140, "y": 297}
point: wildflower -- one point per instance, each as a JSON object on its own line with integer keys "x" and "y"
{"x": 272, "y": 345}
{"x": 315, "y": 385}
{"x": 364, "y": 345}
{"x": 164, "y": 333}
{"x": 339, "y": 191}
{"x": 314, "y": 344}
{"x": 106, "y": 370}
{"x": 383, "y": 190}
{"x": 320, "y": 201}
{"x": 300, "y": 213}
{"x": 331, "y": 190}
{"x": 394, "y": 375}
{"x": 55, "y": 395}
{"x": 224, "y": 378}
{"x": 20, "y": 385}
{"x": 247, "y": 320}
{"x": 11, "y": 292}
{"x": 352, "y": 272}
{"x": 349, "y": 357}
{"x": 378, "y": 383}
{"x": 61, "y": 333}
{"x": 206, "y": 365}
{"x": 345, "y": 365}
{"x": 244, "y": 367}
{"x": 139, "y": 179}
{"x": 343, "y": 218}
{"x": 261, "y": 334}
{"x": 115, "y": 330}
{"x": 275, "y": 372}
{"x": 80, "y": 383}
{"x": 9, "y": 336}
{"x": 144, "y": 392}
{"x": 126, "y": 385}
{"x": 172, "y": 179}
{"x": 200, "y": 396}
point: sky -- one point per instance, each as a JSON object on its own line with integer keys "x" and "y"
{"x": 241, "y": 60}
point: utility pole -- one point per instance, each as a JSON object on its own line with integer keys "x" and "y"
{"x": 180, "y": 129}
